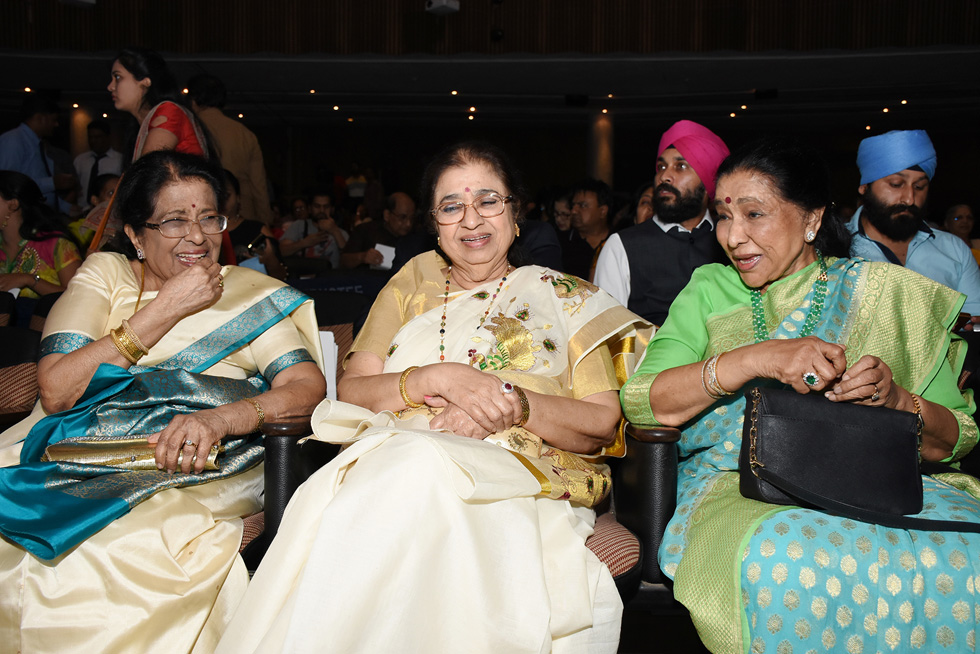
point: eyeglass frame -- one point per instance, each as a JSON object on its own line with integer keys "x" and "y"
{"x": 158, "y": 226}
{"x": 505, "y": 200}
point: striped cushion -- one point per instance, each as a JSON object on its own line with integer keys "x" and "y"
{"x": 614, "y": 545}
{"x": 254, "y": 526}
{"x": 18, "y": 387}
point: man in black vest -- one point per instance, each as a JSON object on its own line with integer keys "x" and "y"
{"x": 647, "y": 265}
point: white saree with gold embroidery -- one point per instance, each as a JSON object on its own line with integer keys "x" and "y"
{"x": 413, "y": 540}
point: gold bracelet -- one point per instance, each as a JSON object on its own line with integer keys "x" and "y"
{"x": 525, "y": 406}
{"x": 134, "y": 338}
{"x": 917, "y": 410}
{"x": 125, "y": 345}
{"x": 260, "y": 420}
{"x": 401, "y": 389}
{"x": 704, "y": 384}
{"x": 713, "y": 382}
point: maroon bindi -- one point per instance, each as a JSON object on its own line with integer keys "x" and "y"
{"x": 728, "y": 200}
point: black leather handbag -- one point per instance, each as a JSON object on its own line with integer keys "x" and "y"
{"x": 850, "y": 460}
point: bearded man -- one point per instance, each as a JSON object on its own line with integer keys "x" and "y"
{"x": 647, "y": 265}
{"x": 896, "y": 170}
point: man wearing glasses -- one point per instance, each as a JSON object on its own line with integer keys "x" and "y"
{"x": 361, "y": 249}
{"x": 591, "y": 203}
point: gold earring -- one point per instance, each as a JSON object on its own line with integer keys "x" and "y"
{"x": 439, "y": 241}
{"x": 517, "y": 230}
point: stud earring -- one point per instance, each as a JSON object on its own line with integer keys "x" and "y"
{"x": 139, "y": 254}
{"x": 810, "y": 235}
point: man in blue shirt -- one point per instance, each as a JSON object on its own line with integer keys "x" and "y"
{"x": 896, "y": 169}
{"x": 22, "y": 149}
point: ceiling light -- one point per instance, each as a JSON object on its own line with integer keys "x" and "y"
{"x": 184, "y": 91}
{"x": 27, "y": 89}
{"x": 454, "y": 92}
{"x": 350, "y": 120}
{"x": 885, "y": 110}
{"x": 744, "y": 107}
{"x": 905, "y": 101}
{"x": 312, "y": 91}
{"x": 336, "y": 107}
{"x": 241, "y": 115}
{"x": 470, "y": 117}
{"x": 867, "y": 127}
{"x": 605, "y": 111}
{"x": 472, "y": 109}
{"x": 105, "y": 115}
{"x": 74, "y": 105}
{"x": 732, "y": 114}
{"x": 610, "y": 95}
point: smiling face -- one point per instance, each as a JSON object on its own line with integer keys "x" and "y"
{"x": 127, "y": 92}
{"x": 476, "y": 246}
{"x": 190, "y": 199}
{"x": 763, "y": 234}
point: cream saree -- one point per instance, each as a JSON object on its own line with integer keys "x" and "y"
{"x": 419, "y": 541}
{"x": 165, "y": 576}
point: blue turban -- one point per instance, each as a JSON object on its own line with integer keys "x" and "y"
{"x": 887, "y": 154}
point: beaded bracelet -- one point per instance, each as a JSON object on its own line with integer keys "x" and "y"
{"x": 401, "y": 389}
{"x": 525, "y": 406}
{"x": 260, "y": 414}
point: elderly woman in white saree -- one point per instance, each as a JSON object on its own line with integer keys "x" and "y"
{"x": 456, "y": 519}
{"x": 124, "y": 490}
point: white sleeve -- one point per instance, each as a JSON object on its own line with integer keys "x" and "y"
{"x": 612, "y": 270}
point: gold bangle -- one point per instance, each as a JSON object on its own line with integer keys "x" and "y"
{"x": 525, "y": 406}
{"x": 917, "y": 410}
{"x": 134, "y": 338}
{"x": 704, "y": 384}
{"x": 125, "y": 345}
{"x": 260, "y": 417}
{"x": 401, "y": 389}
{"x": 713, "y": 382}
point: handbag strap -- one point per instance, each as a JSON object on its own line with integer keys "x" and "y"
{"x": 864, "y": 515}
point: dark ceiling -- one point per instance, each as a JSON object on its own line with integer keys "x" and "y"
{"x": 787, "y": 90}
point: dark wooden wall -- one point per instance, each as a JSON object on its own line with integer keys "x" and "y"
{"x": 397, "y": 27}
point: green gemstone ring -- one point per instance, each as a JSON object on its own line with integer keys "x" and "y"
{"x": 810, "y": 378}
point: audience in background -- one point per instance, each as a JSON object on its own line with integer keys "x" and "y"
{"x": 100, "y": 159}
{"x": 590, "y": 206}
{"x": 236, "y": 145}
{"x": 361, "y": 249}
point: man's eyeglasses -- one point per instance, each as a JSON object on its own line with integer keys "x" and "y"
{"x": 489, "y": 205}
{"x": 181, "y": 227}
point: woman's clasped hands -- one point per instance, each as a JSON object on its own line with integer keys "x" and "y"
{"x": 474, "y": 403}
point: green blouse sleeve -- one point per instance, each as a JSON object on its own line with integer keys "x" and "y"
{"x": 683, "y": 339}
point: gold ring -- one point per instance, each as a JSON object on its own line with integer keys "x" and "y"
{"x": 221, "y": 281}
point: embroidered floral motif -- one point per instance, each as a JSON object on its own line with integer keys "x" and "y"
{"x": 549, "y": 345}
{"x": 391, "y": 350}
{"x": 524, "y": 313}
{"x": 482, "y": 295}
{"x": 570, "y": 286}
{"x": 515, "y": 346}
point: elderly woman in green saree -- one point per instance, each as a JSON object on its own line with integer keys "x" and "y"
{"x": 124, "y": 490}
{"x": 794, "y": 310}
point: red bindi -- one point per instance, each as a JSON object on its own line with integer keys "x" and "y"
{"x": 728, "y": 200}
{"x": 467, "y": 189}
{"x": 193, "y": 206}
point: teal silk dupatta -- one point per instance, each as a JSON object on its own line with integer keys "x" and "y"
{"x": 49, "y": 507}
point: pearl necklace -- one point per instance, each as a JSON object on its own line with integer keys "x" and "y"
{"x": 816, "y": 308}
{"x": 445, "y": 304}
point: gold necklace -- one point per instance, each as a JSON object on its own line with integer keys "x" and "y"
{"x": 445, "y": 304}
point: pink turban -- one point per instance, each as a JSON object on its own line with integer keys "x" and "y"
{"x": 700, "y": 146}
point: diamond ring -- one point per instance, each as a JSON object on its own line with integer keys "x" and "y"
{"x": 506, "y": 387}
{"x": 875, "y": 396}
{"x": 811, "y": 378}
{"x": 190, "y": 443}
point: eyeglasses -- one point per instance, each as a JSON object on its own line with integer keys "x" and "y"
{"x": 181, "y": 227}
{"x": 486, "y": 206}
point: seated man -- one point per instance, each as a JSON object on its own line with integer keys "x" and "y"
{"x": 896, "y": 169}
{"x": 361, "y": 251}
{"x": 591, "y": 207}
{"x": 312, "y": 245}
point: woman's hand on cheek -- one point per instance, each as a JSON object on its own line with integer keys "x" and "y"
{"x": 458, "y": 422}
{"x": 193, "y": 289}
{"x": 202, "y": 429}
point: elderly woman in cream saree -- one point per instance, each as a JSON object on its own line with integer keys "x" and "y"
{"x": 417, "y": 539}
{"x": 126, "y": 557}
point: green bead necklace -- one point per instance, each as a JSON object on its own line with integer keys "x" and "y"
{"x": 816, "y": 308}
